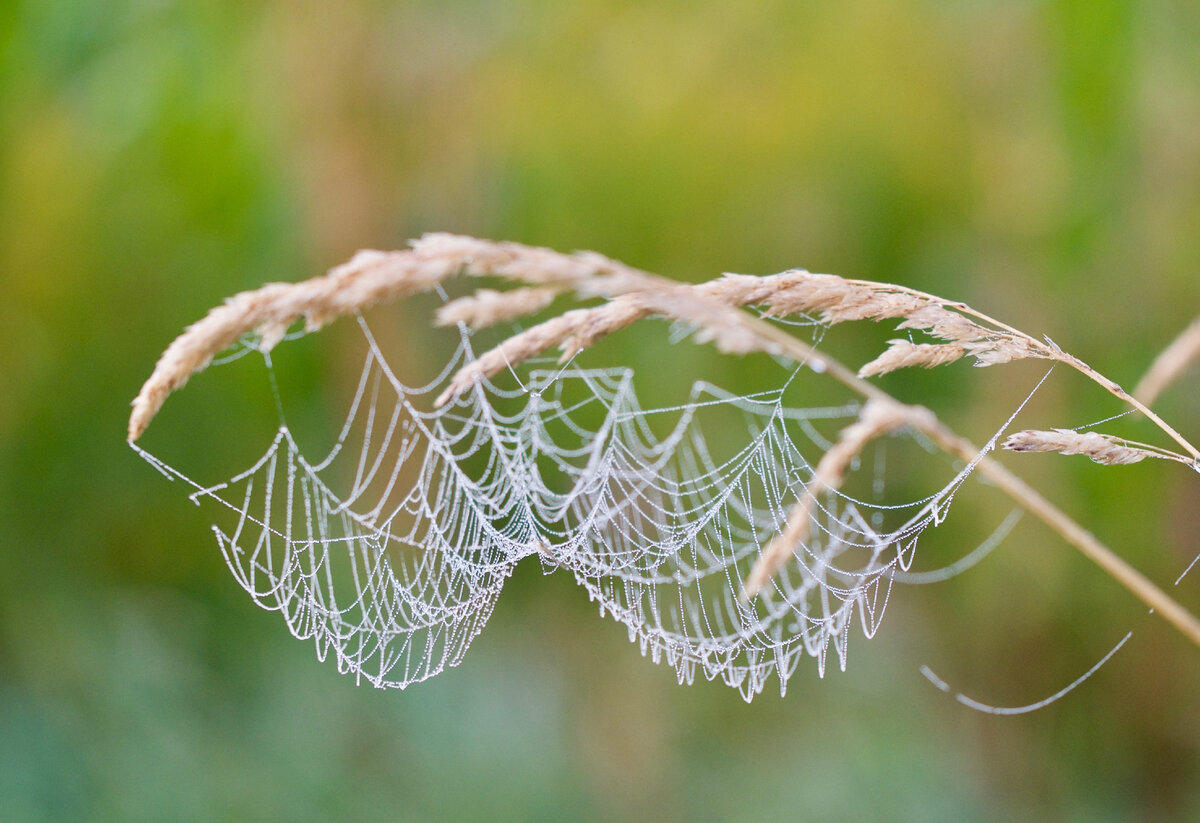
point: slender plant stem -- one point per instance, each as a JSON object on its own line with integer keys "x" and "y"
{"x": 1086, "y": 543}
{"x": 1116, "y": 390}
{"x": 375, "y": 277}
{"x": 1072, "y": 532}
{"x": 1051, "y": 352}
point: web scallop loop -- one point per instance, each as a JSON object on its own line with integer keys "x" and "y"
{"x": 391, "y": 549}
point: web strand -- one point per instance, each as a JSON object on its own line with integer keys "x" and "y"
{"x": 390, "y": 550}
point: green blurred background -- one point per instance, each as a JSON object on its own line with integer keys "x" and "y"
{"x": 1040, "y": 160}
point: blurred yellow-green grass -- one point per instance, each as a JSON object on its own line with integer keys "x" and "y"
{"x": 1040, "y": 160}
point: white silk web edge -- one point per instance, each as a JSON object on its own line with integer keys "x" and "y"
{"x": 392, "y": 549}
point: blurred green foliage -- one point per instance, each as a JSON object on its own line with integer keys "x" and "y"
{"x": 1040, "y": 160}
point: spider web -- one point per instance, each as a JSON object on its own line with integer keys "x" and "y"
{"x": 390, "y": 550}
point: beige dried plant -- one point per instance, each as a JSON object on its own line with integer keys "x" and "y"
{"x": 716, "y": 309}
{"x": 370, "y": 278}
{"x": 833, "y": 299}
{"x": 877, "y": 418}
{"x": 1100, "y": 448}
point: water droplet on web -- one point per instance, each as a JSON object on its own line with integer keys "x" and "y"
{"x": 391, "y": 550}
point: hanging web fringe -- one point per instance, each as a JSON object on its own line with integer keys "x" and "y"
{"x": 391, "y": 550}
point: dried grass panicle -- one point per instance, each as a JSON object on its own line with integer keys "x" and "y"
{"x": 1100, "y": 448}
{"x": 833, "y": 299}
{"x": 877, "y": 418}
{"x": 516, "y": 349}
{"x": 488, "y": 307}
{"x": 572, "y": 331}
{"x": 533, "y": 265}
{"x": 938, "y": 321}
{"x": 903, "y": 354}
{"x": 592, "y": 325}
{"x": 836, "y": 300}
{"x": 579, "y": 329}
{"x": 369, "y": 278}
{"x": 1006, "y": 349}
{"x": 1183, "y": 351}
{"x": 374, "y": 277}
{"x": 715, "y": 321}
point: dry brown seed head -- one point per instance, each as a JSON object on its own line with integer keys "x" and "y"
{"x": 877, "y": 417}
{"x": 1100, "y": 448}
{"x": 487, "y": 307}
{"x": 902, "y": 354}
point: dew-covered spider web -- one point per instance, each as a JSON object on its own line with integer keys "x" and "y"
{"x": 390, "y": 549}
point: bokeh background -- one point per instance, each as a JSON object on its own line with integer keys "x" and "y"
{"x": 1040, "y": 160}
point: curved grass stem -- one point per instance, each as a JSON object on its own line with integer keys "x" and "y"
{"x": 1020, "y": 491}
{"x": 1051, "y": 352}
